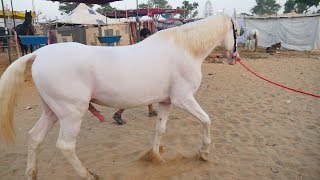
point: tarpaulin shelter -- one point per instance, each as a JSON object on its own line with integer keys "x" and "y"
{"x": 295, "y": 31}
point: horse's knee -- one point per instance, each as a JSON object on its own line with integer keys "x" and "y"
{"x": 206, "y": 120}
{"x": 33, "y": 144}
{"x": 65, "y": 147}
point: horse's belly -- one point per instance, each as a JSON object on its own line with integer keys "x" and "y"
{"x": 129, "y": 97}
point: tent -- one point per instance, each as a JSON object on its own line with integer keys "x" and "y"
{"x": 83, "y": 14}
{"x": 295, "y": 32}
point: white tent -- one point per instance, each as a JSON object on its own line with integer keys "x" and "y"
{"x": 83, "y": 14}
{"x": 296, "y": 32}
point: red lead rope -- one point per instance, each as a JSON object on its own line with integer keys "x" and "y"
{"x": 285, "y": 87}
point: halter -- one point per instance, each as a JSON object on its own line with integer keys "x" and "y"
{"x": 234, "y": 37}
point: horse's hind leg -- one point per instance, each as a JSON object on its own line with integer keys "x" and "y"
{"x": 164, "y": 109}
{"x": 36, "y": 135}
{"x": 190, "y": 105}
{"x": 22, "y": 49}
{"x": 69, "y": 129}
{"x": 31, "y": 48}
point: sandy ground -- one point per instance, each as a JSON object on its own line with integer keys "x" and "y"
{"x": 259, "y": 131}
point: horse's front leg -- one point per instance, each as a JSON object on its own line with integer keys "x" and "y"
{"x": 191, "y": 106}
{"x": 31, "y": 48}
{"x": 163, "y": 112}
{"x": 246, "y": 45}
{"x": 22, "y": 49}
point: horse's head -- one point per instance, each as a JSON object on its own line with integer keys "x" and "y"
{"x": 28, "y": 18}
{"x": 278, "y": 45}
{"x": 230, "y": 40}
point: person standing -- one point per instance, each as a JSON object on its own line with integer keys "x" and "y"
{"x": 144, "y": 33}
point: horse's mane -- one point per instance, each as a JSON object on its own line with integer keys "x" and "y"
{"x": 199, "y": 36}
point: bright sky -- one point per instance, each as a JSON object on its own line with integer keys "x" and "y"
{"x": 50, "y": 9}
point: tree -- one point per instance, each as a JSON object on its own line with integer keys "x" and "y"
{"x": 105, "y": 8}
{"x": 299, "y": 6}
{"x": 208, "y": 9}
{"x": 155, "y": 4}
{"x": 160, "y": 4}
{"x": 189, "y": 9}
{"x": 66, "y": 8}
{"x": 266, "y": 7}
{"x": 309, "y": 3}
{"x": 143, "y": 6}
{"x": 289, "y": 6}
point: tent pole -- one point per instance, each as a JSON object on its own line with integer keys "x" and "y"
{"x": 14, "y": 22}
{"x": 148, "y": 16}
{"x": 7, "y": 32}
{"x": 138, "y": 22}
{"x": 105, "y": 13}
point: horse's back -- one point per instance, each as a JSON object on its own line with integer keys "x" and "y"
{"x": 61, "y": 58}
{"x": 62, "y": 68}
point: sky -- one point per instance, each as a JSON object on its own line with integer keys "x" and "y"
{"x": 49, "y": 9}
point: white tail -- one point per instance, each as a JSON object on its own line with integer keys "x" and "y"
{"x": 10, "y": 84}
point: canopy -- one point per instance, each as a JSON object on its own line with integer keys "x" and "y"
{"x": 88, "y": 1}
{"x": 83, "y": 14}
{"x": 142, "y": 12}
{"x": 16, "y": 14}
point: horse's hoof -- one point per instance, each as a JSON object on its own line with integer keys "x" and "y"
{"x": 161, "y": 149}
{"x": 33, "y": 175}
{"x": 153, "y": 157}
{"x": 204, "y": 156}
{"x": 93, "y": 176}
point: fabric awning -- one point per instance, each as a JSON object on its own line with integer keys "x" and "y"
{"x": 15, "y": 14}
{"x": 142, "y": 12}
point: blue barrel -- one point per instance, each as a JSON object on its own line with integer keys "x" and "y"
{"x": 34, "y": 40}
{"x": 109, "y": 39}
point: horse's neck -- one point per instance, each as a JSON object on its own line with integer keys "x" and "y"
{"x": 27, "y": 30}
{"x": 199, "y": 38}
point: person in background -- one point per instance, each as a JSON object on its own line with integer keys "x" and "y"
{"x": 144, "y": 33}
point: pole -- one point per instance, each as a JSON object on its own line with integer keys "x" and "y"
{"x": 14, "y": 22}
{"x": 5, "y": 25}
{"x": 105, "y": 12}
{"x": 33, "y": 7}
{"x": 125, "y": 7}
{"x": 138, "y": 22}
{"x": 148, "y": 15}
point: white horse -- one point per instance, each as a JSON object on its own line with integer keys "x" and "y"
{"x": 68, "y": 76}
{"x": 251, "y": 35}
